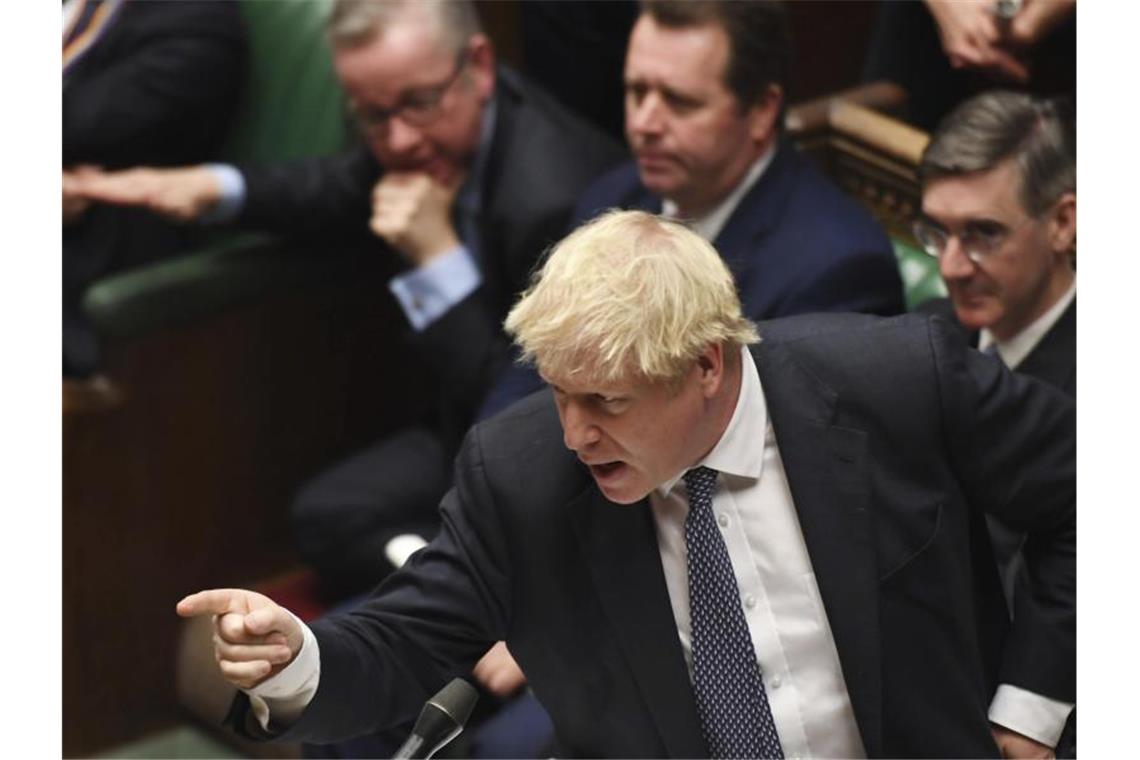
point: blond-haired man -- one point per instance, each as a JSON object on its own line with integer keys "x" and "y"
{"x": 700, "y": 545}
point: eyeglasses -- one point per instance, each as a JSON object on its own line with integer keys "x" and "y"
{"x": 417, "y": 108}
{"x": 978, "y": 240}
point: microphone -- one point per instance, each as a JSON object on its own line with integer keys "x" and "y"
{"x": 441, "y": 720}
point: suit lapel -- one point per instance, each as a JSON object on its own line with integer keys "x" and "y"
{"x": 826, "y": 466}
{"x": 758, "y": 211}
{"x": 1054, "y": 359}
{"x": 621, "y": 550}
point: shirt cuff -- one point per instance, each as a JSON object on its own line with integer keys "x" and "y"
{"x": 232, "y": 199}
{"x": 285, "y": 696}
{"x": 1040, "y": 718}
{"x": 428, "y": 292}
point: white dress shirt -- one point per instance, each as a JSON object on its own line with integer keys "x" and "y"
{"x": 780, "y": 598}
{"x": 1014, "y": 351}
{"x": 709, "y": 225}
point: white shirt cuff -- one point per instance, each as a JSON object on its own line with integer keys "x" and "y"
{"x": 232, "y": 199}
{"x": 285, "y": 696}
{"x": 428, "y": 292}
{"x": 1040, "y": 718}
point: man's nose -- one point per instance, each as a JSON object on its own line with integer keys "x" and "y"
{"x": 645, "y": 117}
{"x": 401, "y": 137}
{"x": 954, "y": 264}
{"x": 578, "y": 430}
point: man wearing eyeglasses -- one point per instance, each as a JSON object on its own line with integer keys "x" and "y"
{"x": 467, "y": 174}
{"x": 999, "y": 212}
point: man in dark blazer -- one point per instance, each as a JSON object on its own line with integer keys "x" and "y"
{"x": 999, "y": 212}
{"x": 466, "y": 173}
{"x": 706, "y": 83}
{"x": 143, "y": 83}
{"x": 847, "y": 483}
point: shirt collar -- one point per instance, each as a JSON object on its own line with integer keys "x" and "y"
{"x": 1014, "y": 350}
{"x": 709, "y": 225}
{"x": 740, "y": 450}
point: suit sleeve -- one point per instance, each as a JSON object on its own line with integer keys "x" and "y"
{"x": 323, "y": 197}
{"x": 1012, "y": 440}
{"x": 467, "y": 347}
{"x": 187, "y": 62}
{"x": 429, "y": 622}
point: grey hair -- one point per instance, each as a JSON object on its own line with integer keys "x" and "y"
{"x": 356, "y": 22}
{"x": 1038, "y": 134}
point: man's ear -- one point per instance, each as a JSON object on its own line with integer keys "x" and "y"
{"x": 481, "y": 60}
{"x": 710, "y": 364}
{"x": 1063, "y": 224}
{"x": 763, "y": 116}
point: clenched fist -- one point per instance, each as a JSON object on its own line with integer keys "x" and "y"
{"x": 412, "y": 212}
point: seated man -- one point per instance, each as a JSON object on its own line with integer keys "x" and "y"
{"x": 465, "y": 176}
{"x": 999, "y": 211}
{"x": 686, "y": 524}
{"x": 705, "y": 87}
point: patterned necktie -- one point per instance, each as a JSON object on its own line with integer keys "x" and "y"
{"x": 735, "y": 716}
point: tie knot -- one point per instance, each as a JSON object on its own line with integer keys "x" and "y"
{"x": 700, "y": 482}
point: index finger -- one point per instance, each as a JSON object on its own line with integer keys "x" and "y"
{"x": 218, "y": 601}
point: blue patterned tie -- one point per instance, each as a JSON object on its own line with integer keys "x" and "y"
{"x": 735, "y": 716}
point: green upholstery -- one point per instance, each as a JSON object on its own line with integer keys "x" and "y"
{"x": 293, "y": 107}
{"x": 223, "y": 276}
{"x": 919, "y": 272}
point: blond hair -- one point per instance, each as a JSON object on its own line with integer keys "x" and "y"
{"x": 628, "y": 294}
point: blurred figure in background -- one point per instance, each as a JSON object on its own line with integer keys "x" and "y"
{"x": 944, "y": 51}
{"x": 143, "y": 83}
{"x": 465, "y": 173}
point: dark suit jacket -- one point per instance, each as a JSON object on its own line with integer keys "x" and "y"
{"x": 158, "y": 87}
{"x": 877, "y": 423}
{"x": 795, "y": 244}
{"x": 1053, "y": 360}
{"x": 541, "y": 156}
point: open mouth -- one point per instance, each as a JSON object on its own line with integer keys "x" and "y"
{"x": 607, "y": 470}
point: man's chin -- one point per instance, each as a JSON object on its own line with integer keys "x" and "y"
{"x": 975, "y": 313}
{"x": 658, "y": 177}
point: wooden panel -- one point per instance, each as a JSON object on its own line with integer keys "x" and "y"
{"x": 185, "y": 483}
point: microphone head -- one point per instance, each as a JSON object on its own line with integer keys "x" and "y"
{"x": 457, "y": 699}
{"x": 442, "y": 718}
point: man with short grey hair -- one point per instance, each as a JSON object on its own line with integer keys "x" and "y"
{"x": 464, "y": 174}
{"x": 999, "y": 212}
